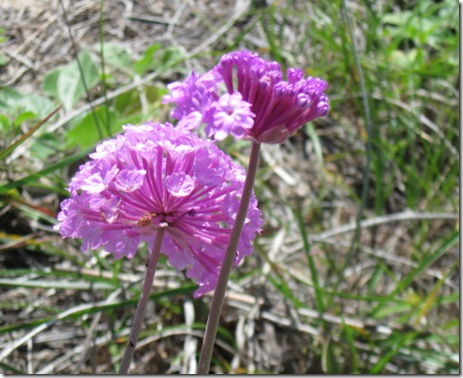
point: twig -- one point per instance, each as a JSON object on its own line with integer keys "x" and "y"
{"x": 21, "y": 59}
{"x": 241, "y": 7}
{"x": 30, "y": 369}
{"x": 397, "y": 217}
{"x": 73, "y": 310}
{"x": 191, "y": 343}
{"x": 34, "y": 35}
{"x": 91, "y": 332}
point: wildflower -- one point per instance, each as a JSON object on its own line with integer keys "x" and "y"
{"x": 257, "y": 104}
{"x": 155, "y": 177}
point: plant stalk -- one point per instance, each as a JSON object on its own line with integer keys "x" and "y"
{"x": 219, "y": 293}
{"x": 141, "y": 306}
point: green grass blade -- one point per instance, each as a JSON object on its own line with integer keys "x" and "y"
{"x": 11, "y": 369}
{"x": 36, "y": 176}
{"x": 319, "y": 292}
{"x": 368, "y": 145}
{"x": 90, "y": 308}
{"x": 426, "y": 262}
{"x": 8, "y": 150}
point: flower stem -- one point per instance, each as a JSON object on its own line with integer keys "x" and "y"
{"x": 219, "y": 293}
{"x": 142, "y": 302}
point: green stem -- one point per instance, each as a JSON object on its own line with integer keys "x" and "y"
{"x": 219, "y": 294}
{"x": 141, "y": 307}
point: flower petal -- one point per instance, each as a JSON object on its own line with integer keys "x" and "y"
{"x": 179, "y": 184}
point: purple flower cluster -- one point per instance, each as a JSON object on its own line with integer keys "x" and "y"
{"x": 156, "y": 176}
{"x": 256, "y": 103}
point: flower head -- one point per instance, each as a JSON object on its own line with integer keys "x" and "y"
{"x": 270, "y": 108}
{"x": 156, "y": 176}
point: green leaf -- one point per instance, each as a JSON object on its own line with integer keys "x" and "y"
{"x": 25, "y": 116}
{"x": 50, "y": 83}
{"x": 330, "y": 364}
{"x": 89, "y": 67}
{"x": 117, "y": 56}
{"x": 5, "y": 123}
{"x": 38, "y": 105}
{"x": 66, "y": 84}
{"x": 69, "y": 88}
{"x": 13, "y": 103}
{"x": 85, "y": 132}
{"x": 9, "y": 100}
{"x": 170, "y": 56}
{"x": 128, "y": 103}
{"x": 45, "y": 145}
{"x": 147, "y": 61}
{"x": 404, "y": 59}
{"x": 8, "y": 150}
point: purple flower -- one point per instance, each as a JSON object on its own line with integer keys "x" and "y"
{"x": 228, "y": 115}
{"x": 156, "y": 176}
{"x": 258, "y": 104}
{"x": 193, "y": 97}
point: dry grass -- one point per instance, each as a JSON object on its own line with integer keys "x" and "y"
{"x": 271, "y": 322}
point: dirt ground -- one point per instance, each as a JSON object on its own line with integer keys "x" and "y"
{"x": 38, "y": 37}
